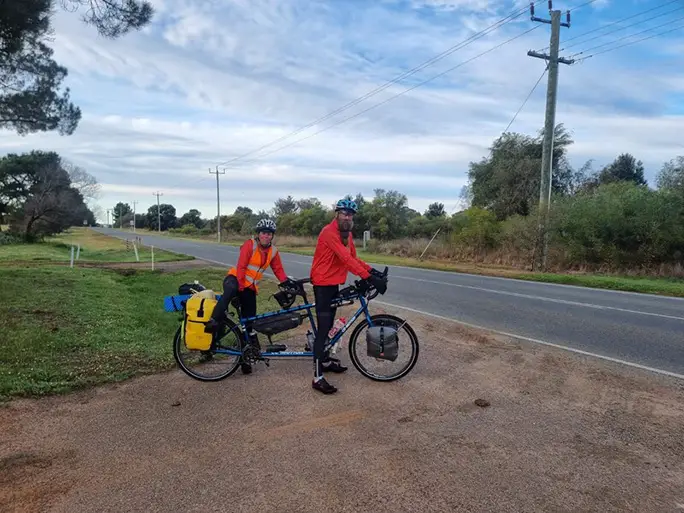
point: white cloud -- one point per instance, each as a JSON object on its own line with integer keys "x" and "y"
{"x": 211, "y": 80}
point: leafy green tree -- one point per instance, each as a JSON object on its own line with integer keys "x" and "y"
{"x": 435, "y": 210}
{"x": 625, "y": 168}
{"x": 119, "y": 211}
{"x": 285, "y": 206}
{"x": 168, "y": 217}
{"x": 36, "y": 191}
{"x": 671, "y": 176}
{"x": 30, "y": 80}
{"x": 193, "y": 217}
{"x": 508, "y": 180}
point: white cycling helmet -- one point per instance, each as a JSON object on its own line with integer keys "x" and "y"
{"x": 266, "y": 225}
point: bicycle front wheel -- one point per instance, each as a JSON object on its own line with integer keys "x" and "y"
{"x": 379, "y": 369}
{"x": 209, "y": 365}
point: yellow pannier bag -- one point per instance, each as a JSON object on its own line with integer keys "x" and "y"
{"x": 198, "y": 310}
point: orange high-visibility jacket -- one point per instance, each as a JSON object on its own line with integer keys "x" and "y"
{"x": 256, "y": 261}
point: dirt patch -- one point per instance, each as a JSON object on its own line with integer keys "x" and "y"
{"x": 481, "y": 424}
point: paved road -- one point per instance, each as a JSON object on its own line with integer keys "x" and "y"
{"x": 641, "y": 329}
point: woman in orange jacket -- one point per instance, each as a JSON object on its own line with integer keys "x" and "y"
{"x": 256, "y": 254}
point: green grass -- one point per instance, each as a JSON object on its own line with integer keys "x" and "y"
{"x": 95, "y": 248}
{"x": 66, "y": 329}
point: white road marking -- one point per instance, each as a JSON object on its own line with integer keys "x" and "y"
{"x": 543, "y": 298}
{"x": 537, "y": 341}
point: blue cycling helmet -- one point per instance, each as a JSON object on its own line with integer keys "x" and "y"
{"x": 346, "y": 204}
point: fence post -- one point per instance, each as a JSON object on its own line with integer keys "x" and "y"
{"x": 72, "y": 257}
{"x": 152, "y": 249}
{"x": 78, "y": 252}
{"x": 135, "y": 248}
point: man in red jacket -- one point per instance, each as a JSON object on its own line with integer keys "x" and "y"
{"x": 335, "y": 255}
{"x": 256, "y": 254}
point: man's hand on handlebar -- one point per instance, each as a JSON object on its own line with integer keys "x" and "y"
{"x": 289, "y": 283}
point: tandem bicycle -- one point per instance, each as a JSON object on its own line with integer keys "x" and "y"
{"x": 389, "y": 353}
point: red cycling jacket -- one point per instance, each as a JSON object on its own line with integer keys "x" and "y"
{"x": 332, "y": 259}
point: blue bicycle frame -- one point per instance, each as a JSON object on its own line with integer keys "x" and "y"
{"x": 174, "y": 303}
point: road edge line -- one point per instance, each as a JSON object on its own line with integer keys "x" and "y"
{"x": 540, "y": 342}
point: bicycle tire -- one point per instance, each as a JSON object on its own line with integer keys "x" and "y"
{"x": 178, "y": 342}
{"x": 412, "y": 336}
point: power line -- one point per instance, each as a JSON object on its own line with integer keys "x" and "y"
{"x": 629, "y": 44}
{"x": 615, "y": 22}
{"x": 626, "y": 37}
{"x": 526, "y": 99}
{"x": 623, "y": 28}
{"x": 507, "y": 19}
{"x": 387, "y": 100}
{"x": 522, "y": 106}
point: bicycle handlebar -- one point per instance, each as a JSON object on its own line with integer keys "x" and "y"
{"x": 363, "y": 287}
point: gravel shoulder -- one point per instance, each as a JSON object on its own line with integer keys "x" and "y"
{"x": 561, "y": 433}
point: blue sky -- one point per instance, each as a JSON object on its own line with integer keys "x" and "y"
{"x": 210, "y": 80}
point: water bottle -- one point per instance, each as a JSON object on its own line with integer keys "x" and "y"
{"x": 309, "y": 341}
{"x": 339, "y": 324}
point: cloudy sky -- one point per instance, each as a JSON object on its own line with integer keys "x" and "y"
{"x": 212, "y": 80}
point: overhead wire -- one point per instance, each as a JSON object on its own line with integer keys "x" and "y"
{"x": 449, "y": 51}
{"x": 393, "y": 97}
{"x": 522, "y": 106}
{"x": 628, "y": 44}
{"x": 608, "y": 25}
{"x": 622, "y": 28}
{"x": 627, "y": 37}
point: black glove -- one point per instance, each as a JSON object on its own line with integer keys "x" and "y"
{"x": 289, "y": 283}
{"x": 375, "y": 272}
{"x": 379, "y": 283}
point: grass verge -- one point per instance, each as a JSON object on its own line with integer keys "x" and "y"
{"x": 67, "y": 329}
{"x": 95, "y": 248}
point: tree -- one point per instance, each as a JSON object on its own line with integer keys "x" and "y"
{"x": 193, "y": 217}
{"x": 388, "y": 214}
{"x": 119, "y": 211}
{"x": 30, "y": 80}
{"x": 42, "y": 200}
{"x": 508, "y": 180}
{"x": 307, "y": 203}
{"x": 625, "y": 168}
{"x": 285, "y": 206}
{"x": 671, "y": 175}
{"x": 82, "y": 181}
{"x": 435, "y": 210}
{"x": 168, "y": 217}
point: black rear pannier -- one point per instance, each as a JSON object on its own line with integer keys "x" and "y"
{"x": 382, "y": 342}
{"x": 277, "y": 323}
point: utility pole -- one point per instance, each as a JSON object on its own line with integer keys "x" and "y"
{"x": 108, "y": 211}
{"x": 549, "y": 127}
{"x": 134, "y": 204}
{"x": 157, "y": 194}
{"x": 218, "y": 202}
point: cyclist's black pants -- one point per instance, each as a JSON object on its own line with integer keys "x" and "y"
{"x": 325, "y": 317}
{"x": 248, "y": 301}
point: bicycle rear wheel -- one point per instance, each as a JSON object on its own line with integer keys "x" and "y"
{"x": 209, "y": 365}
{"x": 398, "y": 368}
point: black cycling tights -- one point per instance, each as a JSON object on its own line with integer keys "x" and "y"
{"x": 248, "y": 301}
{"x": 325, "y": 317}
